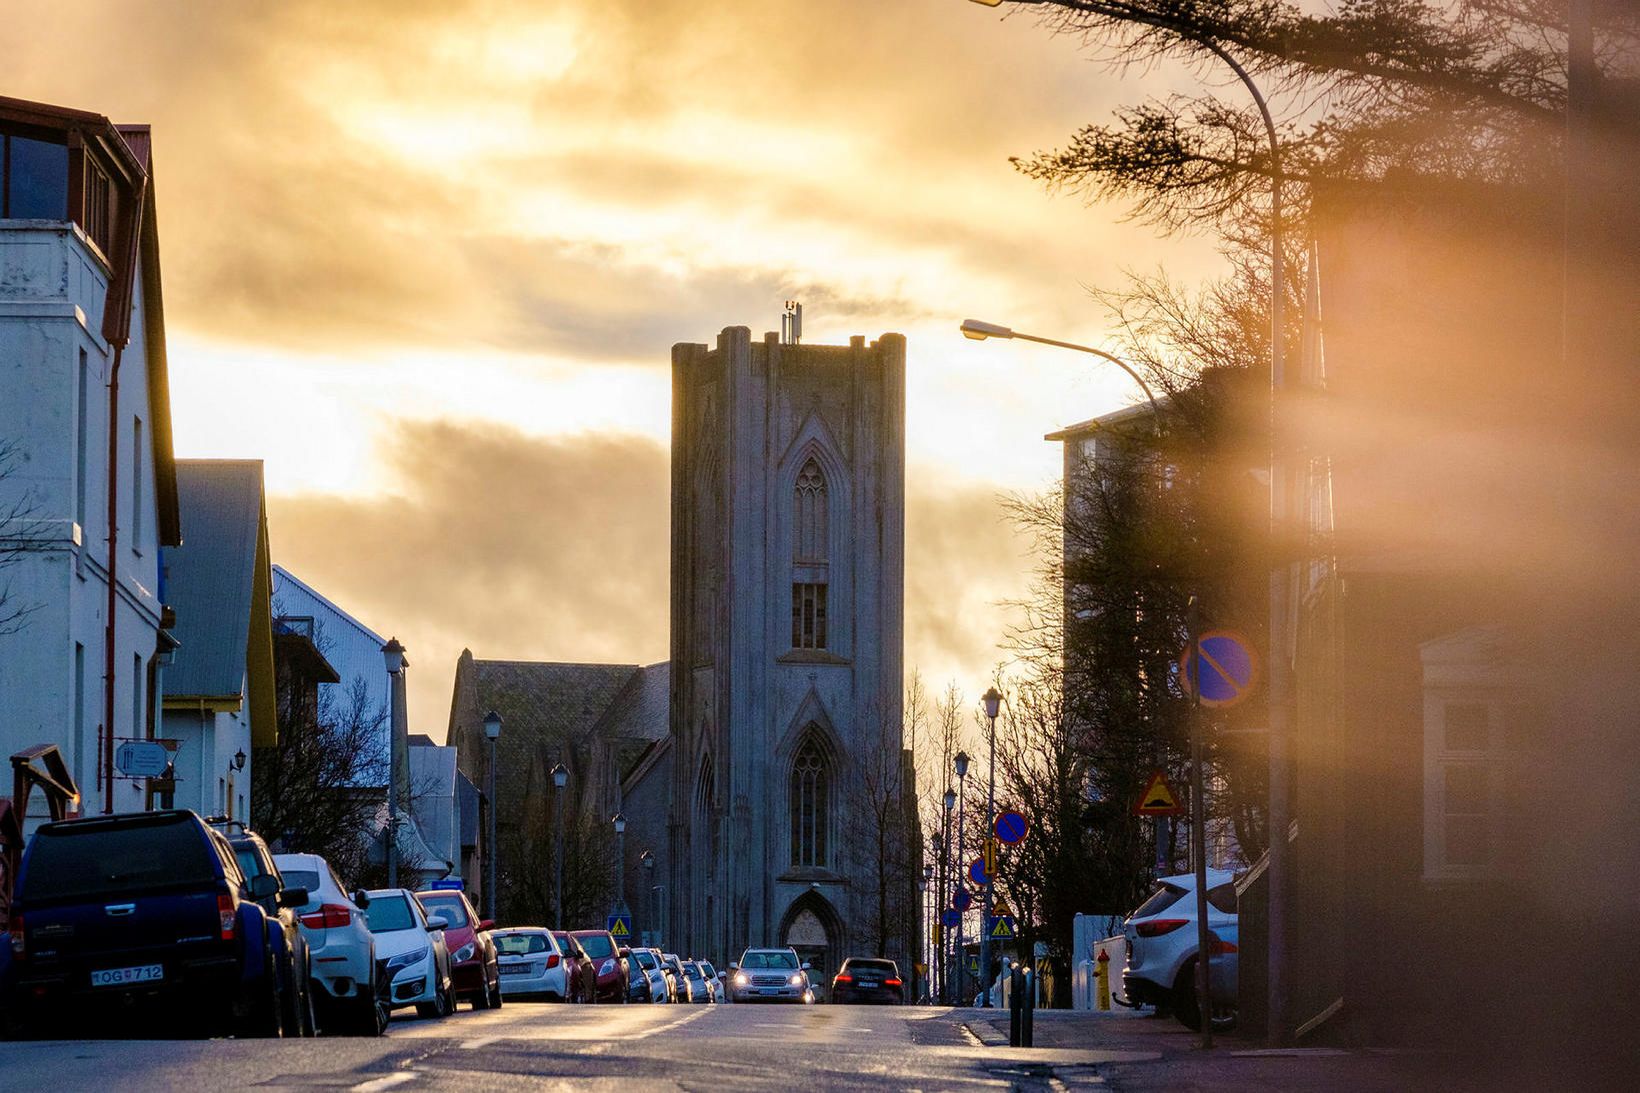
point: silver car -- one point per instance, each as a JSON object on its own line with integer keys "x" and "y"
{"x": 769, "y": 975}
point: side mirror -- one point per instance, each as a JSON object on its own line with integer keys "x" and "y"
{"x": 361, "y": 899}
{"x": 486, "y": 925}
{"x": 734, "y": 967}
{"x": 293, "y": 897}
{"x": 264, "y": 885}
{"x": 806, "y": 965}
{"x": 437, "y": 922}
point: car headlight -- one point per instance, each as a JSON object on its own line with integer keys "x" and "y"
{"x": 464, "y": 953}
{"x": 797, "y": 979}
{"x": 404, "y": 960}
{"x": 606, "y": 967}
{"x": 740, "y": 979}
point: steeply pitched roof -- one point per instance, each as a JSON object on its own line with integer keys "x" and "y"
{"x": 640, "y": 711}
{"x": 219, "y": 583}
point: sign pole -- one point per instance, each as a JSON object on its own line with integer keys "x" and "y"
{"x": 1198, "y": 826}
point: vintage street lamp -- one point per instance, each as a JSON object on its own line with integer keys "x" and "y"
{"x": 492, "y": 731}
{"x": 993, "y": 705}
{"x": 393, "y": 656}
{"x": 560, "y": 779}
{"x": 619, "y": 822}
{"x": 961, "y": 765}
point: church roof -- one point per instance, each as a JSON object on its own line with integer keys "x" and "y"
{"x": 548, "y": 701}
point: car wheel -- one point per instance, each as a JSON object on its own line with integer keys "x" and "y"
{"x": 1183, "y": 1001}
{"x": 310, "y": 1019}
{"x": 495, "y": 994}
{"x": 480, "y": 999}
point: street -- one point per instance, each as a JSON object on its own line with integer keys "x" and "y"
{"x": 614, "y": 1047}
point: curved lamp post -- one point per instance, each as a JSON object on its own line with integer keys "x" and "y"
{"x": 979, "y": 331}
{"x": 492, "y": 732}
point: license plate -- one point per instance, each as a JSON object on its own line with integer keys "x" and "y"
{"x": 869, "y": 984}
{"x": 120, "y": 977}
{"x": 515, "y": 969}
{"x": 768, "y": 990}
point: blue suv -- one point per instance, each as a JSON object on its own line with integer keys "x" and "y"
{"x": 114, "y": 913}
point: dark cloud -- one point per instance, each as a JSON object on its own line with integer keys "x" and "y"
{"x": 557, "y": 548}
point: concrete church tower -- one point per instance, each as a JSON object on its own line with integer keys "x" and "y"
{"x": 788, "y": 490}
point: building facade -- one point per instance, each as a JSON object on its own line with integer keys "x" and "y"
{"x": 87, "y": 481}
{"x": 788, "y": 481}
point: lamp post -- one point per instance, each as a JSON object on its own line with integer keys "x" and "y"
{"x": 619, "y": 822}
{"x": 393, "y": 655}
{"x": 950, "y": 802}
{"x": 922, "y": 945}
{"x": 492, "y": 865}
{"x": 1279, "y": 684}
{"x": 979, "y": 331}
{"x": 993, "y": 705}
{"x": 961, "y": 765}
{"x": 560, "y": 778}
{"x": 647, "y": 860}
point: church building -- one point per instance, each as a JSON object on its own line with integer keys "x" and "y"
{"x": 788, "y": 483}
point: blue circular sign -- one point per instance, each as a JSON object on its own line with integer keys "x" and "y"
{"x": 950, "y": 917}
{"x": 1228, "y": 670}
{"x": 976, "y": 872}
{"x": 1011, "y": 826}
{"x": 962, "y": 900}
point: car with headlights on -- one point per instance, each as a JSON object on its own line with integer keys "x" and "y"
{"x": 411, "y": 956}
{"x": 610, "y": 976}
{"x": 769, "y": 975}
{"x": 341, "y": 947}
{"x": 472, "y": 952}
{"x": 530, "y": 964}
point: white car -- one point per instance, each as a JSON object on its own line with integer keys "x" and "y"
{"x": 770, "y": 975}
{"x": 649, "y": 966}
{"x": 410, "y": 953}
{"x": 531, "y": 962}
{"x": 1161, "y": 939}
{"x": 341, "y": 947}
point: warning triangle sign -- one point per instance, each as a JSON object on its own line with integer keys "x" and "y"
{"x": 620, "y": 930}
{"x": 1158, "y": 799}
{"x": 1002, "y": 910}
{"x": 1002, "y": 928}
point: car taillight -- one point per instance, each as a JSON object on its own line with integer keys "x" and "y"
{"x": 552, "y": 960}
{"x": 844, "y": 979}
{"x": 19, "y": 948}
{"x": 224, "y": 911}
{"x": 330, "y": 916}
{"x": 891, "y": 983}
{"x": 1220, "y": 948}
{"x": 1156, "y": 927}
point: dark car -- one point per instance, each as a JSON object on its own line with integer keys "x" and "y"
{"x": 290, "y": 948}
{"x": 580, "y": 971}
{"x": 863, "y": 979}
{"x": 472, "y": 951}
{"x": 610, "y": 982}
{"x": 142, "y": 913}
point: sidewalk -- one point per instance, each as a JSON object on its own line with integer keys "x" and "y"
{"x": 1126, "y": 1050}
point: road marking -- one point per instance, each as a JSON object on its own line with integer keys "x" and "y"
{"x": 644, "y": 1034}
{"x": 481, "y": 1041}
{"x": 386, "y": 1081}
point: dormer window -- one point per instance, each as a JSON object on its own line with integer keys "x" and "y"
{"x": 33, "y": 179}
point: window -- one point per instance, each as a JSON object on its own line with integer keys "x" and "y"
{"x": 80, "y": 757}
{"x": 136, "y": 695}
{"x": 1471, "y": 693}
{"x": 810, "y": 552}
{"x": 82, "y": 430}
{"x": 136, "y": 485}
{"x": 97, "y": 218}
{"x": 810, "y": 805}
{"x": 33, "y": 179}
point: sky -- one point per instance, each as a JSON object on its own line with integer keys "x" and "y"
{"x": 427, "y": 260}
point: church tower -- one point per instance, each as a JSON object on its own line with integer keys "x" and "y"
{"x": 788, "y": 500}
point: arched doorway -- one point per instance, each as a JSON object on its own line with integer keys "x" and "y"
{"x": 811, "y": 926}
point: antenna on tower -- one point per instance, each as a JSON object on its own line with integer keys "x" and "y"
{"x": 791, "y": 324}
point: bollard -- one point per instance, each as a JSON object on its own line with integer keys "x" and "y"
{"x": 1016, "y": 994}
{"x": 1104, "y": 979}
{"x": 1027, "y": 1011}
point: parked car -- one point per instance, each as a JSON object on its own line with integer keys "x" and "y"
{"x": 142, "y": 912}
{"x": 769, "y": 975}
{"x": 673, "y": 964}
{"x": 472, "y": 952}
{"x": 700, "y": 988}
{"x": 863, "y": 979}
{"x": 583, "y": 973}
{"x": 1161, "y": 940}
{"x": 1223, "y": 961}
{"x": 290, "y": 947}
{"x": 714, "y": 980}
{"x": 411, "y": 956}
{"x": 341, "y": 947}
{"x": 648, "y": 963}
{"x": 530, "y": 963}
{"x": 609, "y": 981}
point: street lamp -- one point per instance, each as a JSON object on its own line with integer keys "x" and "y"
{"x": 560, "y": 779}
{"x": 647, "y": 860}
{"x": 619, "y": 821}
{"x": 961, "y": 765}
{"x": 979, "y": 331}
{"x": 393, "y": 655}
{"x": 950, "y": 802}
{"x": 993, "y": 705}
{"x": 492, "y": 731}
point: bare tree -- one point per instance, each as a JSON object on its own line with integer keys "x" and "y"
{"x": 881, "y": 819}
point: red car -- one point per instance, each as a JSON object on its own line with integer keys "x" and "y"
{"x": 473, "y": 967}
{"x": 611, "y": 970}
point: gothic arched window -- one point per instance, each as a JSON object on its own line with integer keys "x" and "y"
{"x": 810, "y": 548}
{"x": 810, "y": 805}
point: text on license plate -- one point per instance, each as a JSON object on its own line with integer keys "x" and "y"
{"x": 515, "y": 969}
{"x": 119, "y": 977}
{"x": 769, "y": 990}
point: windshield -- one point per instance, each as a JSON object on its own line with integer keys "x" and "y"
{"x": 100, "y": 860}
{"x": 785, "y": 960}
{"x": 692, "y": 971}
{"x": 597, "y": 946}
{"x": 387, "y": 914}
{"x": 646, "y": 958}
{"x": 452, "y": 908}
{"x": 520, "y": 944}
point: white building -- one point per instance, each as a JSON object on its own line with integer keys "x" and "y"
{"x": 220, "y": 689}
{"x": 85, "y": 425}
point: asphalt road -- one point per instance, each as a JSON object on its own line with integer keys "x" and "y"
{"x": 537, "y": 1046}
